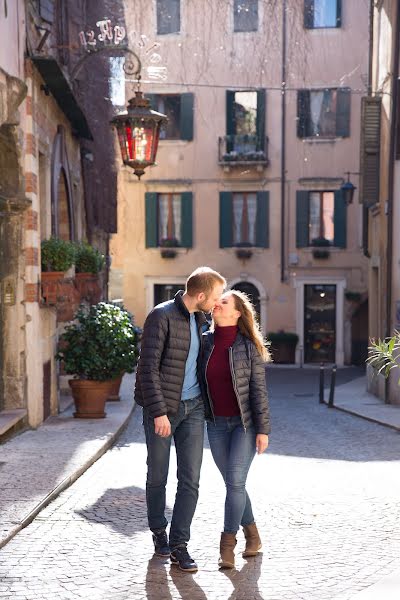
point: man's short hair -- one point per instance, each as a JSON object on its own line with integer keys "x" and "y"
{"x": 203, "y": 279}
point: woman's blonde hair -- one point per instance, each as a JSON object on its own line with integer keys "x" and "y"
{"x": 248, "y": 324}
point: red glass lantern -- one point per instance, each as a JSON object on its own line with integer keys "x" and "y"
{"x": 138, "y": 133}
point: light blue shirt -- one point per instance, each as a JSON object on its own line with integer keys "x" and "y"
{"x": 191, "y": 387}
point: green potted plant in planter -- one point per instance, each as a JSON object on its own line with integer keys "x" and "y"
{"x": 384, "y": 355}
{"x": 57, "y": 256}
{"x": 168, "y": 246}
{"x": 96, "y": 348}
{"x": 89, "y": 262}
{"x": 283, "y": 346}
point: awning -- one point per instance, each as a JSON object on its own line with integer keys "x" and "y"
{"x": 61, "y": 90}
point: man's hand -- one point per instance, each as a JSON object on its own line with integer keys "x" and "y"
{"x": 162, "y": 426}
{"x": 261, "y": 442}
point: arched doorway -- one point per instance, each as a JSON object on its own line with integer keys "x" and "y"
{"x": 359, "y": 335}
{"x": 62, "y": 204}
{"x": 252, "y": 291}
{"x": 63, "y": 210}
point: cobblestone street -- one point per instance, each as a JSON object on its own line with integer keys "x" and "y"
{"x": 326, "y": 497}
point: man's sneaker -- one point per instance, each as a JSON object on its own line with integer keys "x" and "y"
{"x": 161, "y": 546}
{"x": 181, "y": 558}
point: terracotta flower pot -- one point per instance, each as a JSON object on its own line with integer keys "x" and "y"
{"x": 89, "y": 397}
{"x": 114, "y": 389}
{"x": 88, "y": 286}
{"x": 50, "y": 281}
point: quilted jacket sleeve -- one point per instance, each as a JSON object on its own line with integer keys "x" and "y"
{"x": 155, "y": 334}
{"x": 258, "y": 393}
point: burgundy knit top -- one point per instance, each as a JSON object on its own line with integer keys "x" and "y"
{"x": 218, "y": 373}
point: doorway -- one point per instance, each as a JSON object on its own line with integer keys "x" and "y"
{"x": 252, "y": 292}
{"x": 165, "y": 292}
{"x": 320, "y": 323}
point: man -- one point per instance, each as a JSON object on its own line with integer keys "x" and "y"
{"x": 168, "y": 388}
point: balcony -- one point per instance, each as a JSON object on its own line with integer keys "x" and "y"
{"x": 239, "y": 150}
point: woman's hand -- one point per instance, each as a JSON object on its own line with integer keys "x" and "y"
{"x": 261, "y": 442}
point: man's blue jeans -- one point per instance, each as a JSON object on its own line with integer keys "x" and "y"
{"x": 233, "y": 451}
{"x": 188, "y": 432}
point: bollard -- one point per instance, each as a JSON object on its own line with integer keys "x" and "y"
{"x": 321, "y": 383}
{"x": 332, "y": 390}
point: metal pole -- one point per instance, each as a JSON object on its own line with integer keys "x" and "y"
{"x": 332, "y": 390}
{"x": 321, "y": 383}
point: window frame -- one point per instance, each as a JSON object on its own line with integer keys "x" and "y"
{"x": 342, "y": 113}
{"x": 179, "y": 29}
{"x": 309, "y": 13}
{"x": 235, "y": 13}
{"x": 321, "y": 195}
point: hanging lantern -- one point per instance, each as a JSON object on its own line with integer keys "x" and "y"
{"x": 138, "y": 133}
{"x": 348, "y": 192}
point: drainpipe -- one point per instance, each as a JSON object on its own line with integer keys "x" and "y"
{"x": 283, "y": 140}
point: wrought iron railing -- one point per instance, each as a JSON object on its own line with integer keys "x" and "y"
{"x": 236, "y": 149}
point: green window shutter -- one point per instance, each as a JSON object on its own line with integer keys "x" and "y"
{"x": 261, "y": 108}
{"x": 225, "y": 219}
{"x": 343, "y": 112}
{"x": 187, "y": 219}
{"x": 340, "y": 220}
{"x": 187, "y": 114}
{"x": 303, "y": 113}
{"x": 230, "y": 113}
{"x": 338, "y": 13}
{"x": 262, "y": 223}
{"x": 370, "y": 150}
{"x": 151, "y": 220}
{"x": 309, "y": 14}
{"x": 302, "y": 219}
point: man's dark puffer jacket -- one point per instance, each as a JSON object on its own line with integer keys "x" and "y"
{"x": 164, "y": 349}
{"x": 248, "y": 382}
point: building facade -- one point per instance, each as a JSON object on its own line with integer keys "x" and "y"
{"x": 263, "y": 100}
{"x": 53, "y": 182}
{"x": 380, "y": 183}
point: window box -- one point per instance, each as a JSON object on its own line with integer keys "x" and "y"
{"x": 168, "y": 252}
{"x": 244, "y": 253}
{"x": 321, "y": 254}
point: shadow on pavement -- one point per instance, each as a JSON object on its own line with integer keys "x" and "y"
{"x": 245, "y": 580}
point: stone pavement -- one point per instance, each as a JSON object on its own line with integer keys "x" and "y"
{"x": 325, "y": 495}
{"x": 36, "y": 466}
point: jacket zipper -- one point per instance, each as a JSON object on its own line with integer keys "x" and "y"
{"x": 208, "y": 389}
{"x": 190, "y": 341}
{"x": 235, "y": 386}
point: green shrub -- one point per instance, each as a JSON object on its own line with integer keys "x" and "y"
{"x": 100, "y": 344}
{"x": 282, "y": 336}
{"x": 88, "y": 259}
{"x": 57, "y": 254}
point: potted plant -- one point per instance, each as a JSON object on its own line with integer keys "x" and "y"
{"x": 384, "y": 356}
{"x": 320, "y": 247}
{"x": 57, "y": 256}
{"x": 168, "y": 246}
{"x": 96, "y": 348}
{"x": 283, "y": 346}
{"x": 89, "y": 262}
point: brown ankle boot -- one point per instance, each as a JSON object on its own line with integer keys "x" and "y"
{"x": 226, "y": 548}
{"x": 253, "y": 540}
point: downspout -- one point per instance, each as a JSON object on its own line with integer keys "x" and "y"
{"x": 392, "y": 148}
{"x": 283, "y": 140}
{"x": 365, "y": 209}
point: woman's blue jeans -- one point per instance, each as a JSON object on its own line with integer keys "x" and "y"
{"x": 233, "y": 451}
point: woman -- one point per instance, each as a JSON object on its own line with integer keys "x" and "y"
{"x": 237, "y": 411}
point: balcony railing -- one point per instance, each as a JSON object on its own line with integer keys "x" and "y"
{"x": 243, "y": 149}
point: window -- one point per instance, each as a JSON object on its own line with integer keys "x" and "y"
{"x": 321, "y": 216}
{"x": 321, "y": 219}
{"x": 168, "y": 220}
{"x": 168, "y": 16}
{"x": 244, "y": 219}
{"x": 179, "y": 109}
{"x": 323, "y": 113}
{"x": 245, "y": 126}
{"x": 245, "y": 16}
{"x": 322, "y": 13}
